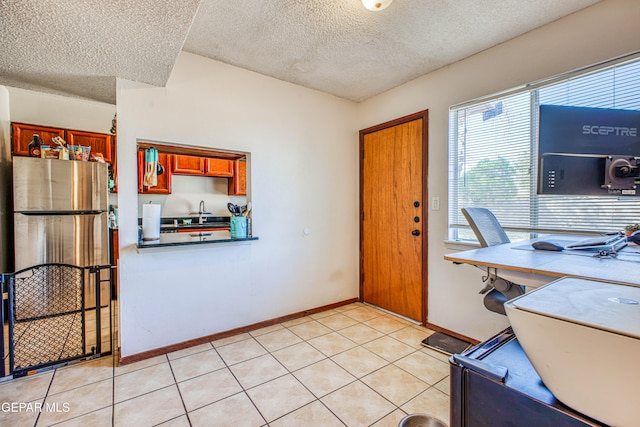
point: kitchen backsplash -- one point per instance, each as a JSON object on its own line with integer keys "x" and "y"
{"x": 186, "y": 194}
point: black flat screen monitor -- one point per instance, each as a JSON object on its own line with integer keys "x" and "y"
{"x": 588, "y": 151}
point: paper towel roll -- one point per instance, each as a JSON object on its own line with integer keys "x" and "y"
{"x": 150, "y": 221}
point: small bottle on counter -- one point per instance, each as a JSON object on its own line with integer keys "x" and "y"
{"x": 34, "y": 146}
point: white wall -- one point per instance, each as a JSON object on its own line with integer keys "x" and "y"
{"x": 187, "y": 192}
{"x": 6, "y": 218}
{"x": 605, "y": 30}
{"x": 60, "y": 111}
{"x": 304, "y": 173}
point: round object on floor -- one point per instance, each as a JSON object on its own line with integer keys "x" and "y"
{"x": 420, "y": 420}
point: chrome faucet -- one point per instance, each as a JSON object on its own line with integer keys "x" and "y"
{"x": 201, "y": 212}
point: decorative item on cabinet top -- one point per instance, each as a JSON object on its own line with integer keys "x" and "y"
{"x": 100, "y": 143}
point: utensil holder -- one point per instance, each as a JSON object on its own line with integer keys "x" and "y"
{"x": 238, "y": 227}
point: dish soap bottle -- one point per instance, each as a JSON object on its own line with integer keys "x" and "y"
{"x": 34, "y": 146}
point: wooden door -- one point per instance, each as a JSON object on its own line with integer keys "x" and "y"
{"x": 164, "y": 179}
{"x": 393, "y": 230}
{"x": 238, "y": 183}
{"x": 100, "y": 143}
{"x": 218, "y": 167}
{"x": 23, "y": 135}
{"x": 188, "y": 165}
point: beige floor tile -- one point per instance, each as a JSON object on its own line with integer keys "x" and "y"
{"x": 149, "y": 409}
{"x": 276, "y": 340}
{"x": 437, "y": 354}
{"x": 389, "y": 348}
{"x": 125, "y": 369}
{"x": 26, "y": 389}
{"x": 279, "y": 397}
{"x": 348, "y": 307}
{"x": 196, "y": 364}
{"x": 299, "y": 320}
{"x": 391, "y": 420}
{"x": 324, "y": 377}
{"x": 230, "y": 340}
{"x": 412, "y": 336}
{"x": 101, "y": 417}
{"x": 385, "y": 324}
{"x": 18, "y": 417}
{"x": 81, "y": 374}
{"x": 181, "y": 421}
{"x": 241, "y": 351}
{"x": 142, "y": 381}
{"x": 395, "y": 385}
{"x": 361, "y": 333}
{"x": 309, "y": 330}
{"x": 337, "y": 321}
{"x": 357, "y": 405}
{"x": 362, "y": 314}
{"x": 189, "y": 351}
{"x": 425, "y": 367}
{"x": 205, "y": 389}
{"x": 298, "y": 356}
{"x": 359, "y": 361}
{"x": 313, "y": 414}
{"x": 266, "y": 330}
{"x": 236, "y": 410}
{"x": 79, "y": 401}
{"x": 431, "y": 402}
{"x": 256, "y": 371}
{"x": 332, "y": 344}
{"x": 444, "y": 386}
{"x": 323, "y": 314}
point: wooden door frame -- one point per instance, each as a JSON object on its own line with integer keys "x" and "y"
{"x": 424, "y": 115}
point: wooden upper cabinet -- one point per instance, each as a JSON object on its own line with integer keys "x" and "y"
{"x": 188, "y": 165}
{"x": 23, "y": 135}
{"x": 99, "y": 142}
{"x": 164, "y": 179}
{"x": 218, "y": 167}
{"x": 238, "y": 183}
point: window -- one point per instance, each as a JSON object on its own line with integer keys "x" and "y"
{"x": 493, "y": 156}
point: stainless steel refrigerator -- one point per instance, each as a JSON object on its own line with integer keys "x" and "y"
{"x": 60, "y": 215}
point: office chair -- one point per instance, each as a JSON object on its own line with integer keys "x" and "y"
{"x": 489, "y": 232}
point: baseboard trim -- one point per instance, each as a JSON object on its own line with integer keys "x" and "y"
{"x": 202, "y": 340}
{"x": 453, "y": 334}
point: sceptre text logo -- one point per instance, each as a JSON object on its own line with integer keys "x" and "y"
{"x": 609, "y": 130}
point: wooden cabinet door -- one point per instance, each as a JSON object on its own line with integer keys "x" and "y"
{"x": 238, "y": 183}
{"x": 188, "y": 165}
{"x": 218, "y": 167}
{"x": 99, "y": 142}
{"x": 23, "y": 135}
{"x": 164, "y": 179}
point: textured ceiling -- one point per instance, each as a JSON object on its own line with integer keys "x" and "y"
{"x": 79, "y": 47}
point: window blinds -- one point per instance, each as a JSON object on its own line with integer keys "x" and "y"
{"x": 493, "y": 157}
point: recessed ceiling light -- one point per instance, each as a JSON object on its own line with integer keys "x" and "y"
{"x": 376, "y": 5}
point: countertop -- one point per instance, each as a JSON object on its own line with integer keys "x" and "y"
{"x": 182, "y": 231}
{"x": 193, "y": 238}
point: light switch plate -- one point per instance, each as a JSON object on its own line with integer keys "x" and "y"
{"x": 435, "y": 203}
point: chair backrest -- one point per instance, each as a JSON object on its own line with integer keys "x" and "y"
{"x": 486, "y": 227}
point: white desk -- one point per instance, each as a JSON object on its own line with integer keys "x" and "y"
{"x": 522, "y": 264}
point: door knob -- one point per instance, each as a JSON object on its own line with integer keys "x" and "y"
{"x": 416, "y": 219}
{"x": 416, "y": 232}
{"x": 416, "y": 204}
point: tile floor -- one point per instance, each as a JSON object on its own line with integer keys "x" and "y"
{"x": 354, "y": 366}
